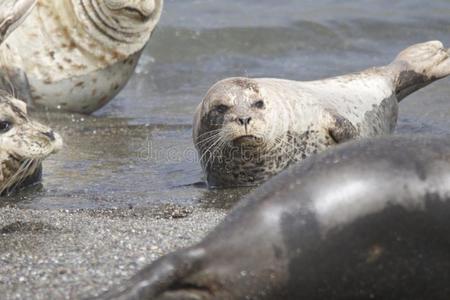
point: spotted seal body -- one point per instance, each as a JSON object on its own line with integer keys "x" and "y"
{"x": 369, "y": 219}
{"x": 24, "y": 144}
{"x": 247, "y": 130}
{"x": 78, "y": 54}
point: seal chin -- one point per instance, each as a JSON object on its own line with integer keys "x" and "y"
{"x": 247, "y": 140}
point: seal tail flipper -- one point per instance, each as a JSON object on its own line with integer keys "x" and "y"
{"x": 12, "y": 14}
{"x": 418, "y": 66}
{"x": 158, "y": 277}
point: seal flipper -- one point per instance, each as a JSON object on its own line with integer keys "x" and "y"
{"x": 418, "y": 66}
{"x": 164, "y": 275}
{"x": 341, "y": 129}
{"x": 12, "y": 14}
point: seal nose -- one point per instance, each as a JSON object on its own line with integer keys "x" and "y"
{"x": 244, "y": 121}
{"x": 50, "y": 135}
{"x": 143, "y": 8}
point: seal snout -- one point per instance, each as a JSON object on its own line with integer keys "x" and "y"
{"x": 245, "y": 121}
{"x": 137, "y": 14}
{"x": 138, "y": 10}
{"x": 50, "y": 135}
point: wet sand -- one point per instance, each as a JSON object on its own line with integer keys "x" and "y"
{"x": 62, "y": 254}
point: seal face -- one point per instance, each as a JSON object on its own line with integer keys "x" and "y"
{"x": 24, "y": 143}
{"x": 247, "y": 130}
{"x": 240, "y": 135}
{"x": 368, "y": 219}
{"x": 78, "y": 54}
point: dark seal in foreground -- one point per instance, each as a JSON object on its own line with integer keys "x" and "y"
{"x": 366, "y": 220}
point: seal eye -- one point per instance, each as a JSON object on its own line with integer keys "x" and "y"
{"x": 221, "y": 108}
{"x": 5, "y": 126}
{"x": 259, "y": 104}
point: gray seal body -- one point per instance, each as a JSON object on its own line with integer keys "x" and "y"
{"x": 367, "y": 220}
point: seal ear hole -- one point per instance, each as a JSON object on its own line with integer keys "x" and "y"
{"x": 221, "y": 108}
{"x": 259, "y": 104}
{"x": 5, "y": 126}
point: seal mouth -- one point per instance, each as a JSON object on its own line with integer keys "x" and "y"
{"x": 137, "y": 14}
{"x": 247, "y": 140}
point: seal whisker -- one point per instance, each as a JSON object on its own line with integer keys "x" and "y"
{"x": 15, "y": 179}
{"x": 208, "y": 133}
{"x": 209, "y": 148}
{"x": 205, "y": 140}
{"x": 218, "y": 148}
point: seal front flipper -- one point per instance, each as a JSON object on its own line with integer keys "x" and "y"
{"x": 12, "y": 14}
{"x": 418, "y": 66}
{"x": 164, "y": 278}
{"x": 341, "y": 129}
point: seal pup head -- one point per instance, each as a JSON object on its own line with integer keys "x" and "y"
{"x": 235, "y": 128}
{"x": 24, "y": 143}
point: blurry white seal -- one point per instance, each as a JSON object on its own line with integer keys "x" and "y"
{"x": 76, "y": 55}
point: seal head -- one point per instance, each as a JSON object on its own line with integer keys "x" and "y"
{"x": 24, "y": 143}
{"x": 235, "y": 130}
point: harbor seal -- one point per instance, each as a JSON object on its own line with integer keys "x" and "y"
{"x": 24, "y": 144}
{"x": 76, "y": 55}
{"x": 369, "y": 219}
{"x": 247, "y": 130}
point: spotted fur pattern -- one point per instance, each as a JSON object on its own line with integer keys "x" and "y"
{"x": 247, "y": 166}
{"x": 78, "y": 54}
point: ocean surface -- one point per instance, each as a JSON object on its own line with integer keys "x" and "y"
{"x": 138, "y": 152}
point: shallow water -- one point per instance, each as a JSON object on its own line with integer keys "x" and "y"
{"x": 137, "y": 151}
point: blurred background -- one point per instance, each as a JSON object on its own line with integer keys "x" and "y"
{"x": 137, "y": 151}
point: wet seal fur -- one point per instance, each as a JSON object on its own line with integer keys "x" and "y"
{"x": 73, "y": 55}
{"x": 247, "y": 130}
{"x": 369, "y": 219}
{"x": 24, "y": 144}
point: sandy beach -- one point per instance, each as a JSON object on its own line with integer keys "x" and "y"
{"x": 61, "y": 254}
